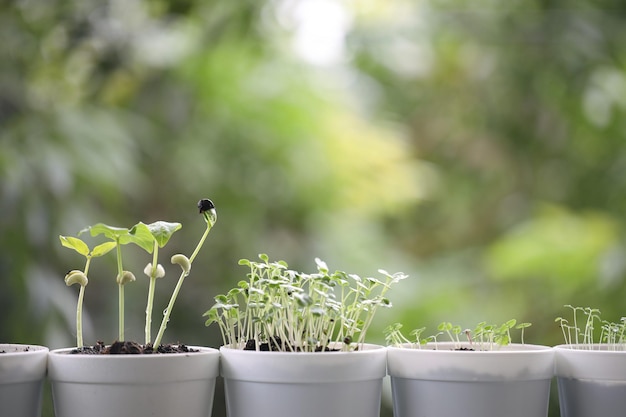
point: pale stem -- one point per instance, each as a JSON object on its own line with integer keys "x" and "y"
{"x": 79, "y": 308}
{"x": 151, "y": 288}
{"x": 179, "y": 284}
{"x": 121, "y": 312}
{"x": 79, "y": 317}
{"x": 120, "y": 292}
{"x": 168, "y": 310}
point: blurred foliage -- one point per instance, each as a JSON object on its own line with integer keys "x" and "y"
{"x": 477, "y": 146}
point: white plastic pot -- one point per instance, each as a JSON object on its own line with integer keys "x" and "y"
{"x": 512, "y": 381}
{"x": 156, "y": 385}
{"x": 22, "y": 372}
{"x": 287, "y": 384}
{"x": 591, "y": 383}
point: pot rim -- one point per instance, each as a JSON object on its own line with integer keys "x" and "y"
{"x": 23, "y": 366}
{"x": 445, "y": 349}
{"x": 368, "y": 348}
{"x": 512, "y": 362}
{"x": 202, "y": 350}
{"x": 133, "y": 369}
{"x": 599, "y": 348}
{"x": 304, "y": 367}
{"x": 32, "y": 349}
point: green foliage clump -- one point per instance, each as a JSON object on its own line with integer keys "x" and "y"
{"x": 150, "y": 237}
{"x": 583, "y": 336}
{"x": 295, "y": 311}
{"x": 483, "y": 337}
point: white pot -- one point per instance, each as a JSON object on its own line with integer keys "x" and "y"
{"x": 591, "y": 383}
{"x": 287, "y": 384}
{"x": 22, "y": 372}
{"x": 512, "y": 381}
{"x": 156, "y": 385}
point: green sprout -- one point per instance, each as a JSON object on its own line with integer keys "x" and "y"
{"x": 80, "y": 277}
{"x": 483, "y": 337}
{"x": 581, "y": 334}
{"x": 151, "y": 238}
{"x": 286, "y": 310}
{"x": 162, "y": 232}
{"x": 139, "y": 235}
{"x": 207, "y": 209}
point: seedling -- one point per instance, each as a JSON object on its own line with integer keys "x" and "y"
{"x": 483, "y": 337}
{"x": 583, "y": 336}
{"x": 277, "y": 308}
{"x": 151, "y": 238}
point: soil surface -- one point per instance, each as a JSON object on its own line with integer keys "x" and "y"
{"x": 130, "y": 348}
{"x": 24, "y": 349}
{"x": 275, "y": 344}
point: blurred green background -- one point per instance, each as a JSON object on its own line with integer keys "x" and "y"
{"x": 478, "y": 146}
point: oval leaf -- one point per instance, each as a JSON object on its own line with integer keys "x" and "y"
{"x": 112, "y": 232}
{"x": 76, "y": 244}
{"x": 141, "y": 236}
{"x": 103, "y": 249}
{"x": 163, "y": 231}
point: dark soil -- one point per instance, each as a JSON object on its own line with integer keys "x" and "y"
{"x": 275, "y": 344}
{"x": 130, "y": 348}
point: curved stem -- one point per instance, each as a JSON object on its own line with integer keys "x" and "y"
{"x": 179, "y": 284}
{"x": 168, "y": 310}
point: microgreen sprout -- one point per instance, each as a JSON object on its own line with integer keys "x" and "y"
{"x": 207, "y": 209}
{"x": 293, "y": 311}
{"x": 151, "y": 238}
{"x": 80, "y": 277}
{"x": 483, "y": 337}
{"x": 583, "y": 336}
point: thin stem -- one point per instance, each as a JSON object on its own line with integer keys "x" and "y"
{"x": 120, "y": 292}
{"x": 149, "y": 307}
{"x": 200, "y": 243}
{"x": 79, "y": 317}
{"x": 86, "y": 271}
{"x": 168, "y": 310}
{"x": 121, "y": 311}
{"x": 179, "y": 284}
{"x": 79, "y": 308}
{"x": 151, "y": 287}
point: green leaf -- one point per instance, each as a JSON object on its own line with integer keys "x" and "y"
{"x": 163, "y": 231}
{"x": 103, "y": 249}
{"x": 141, "y": 236}
{"x": 76, "y": 244}
{"x": 111, "y": 232}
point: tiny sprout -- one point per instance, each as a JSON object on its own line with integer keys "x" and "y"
{"x": 149, "y": 237}
{"x": 300, "y": 311}
{"x": 612, "y": 334}
{"x": 207, "y": 209}
{"x": 486, "y": 335}
{"x": 468, "y": 334}
{"x": 522, "y": 326}
{"x": 78, "y": 277}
